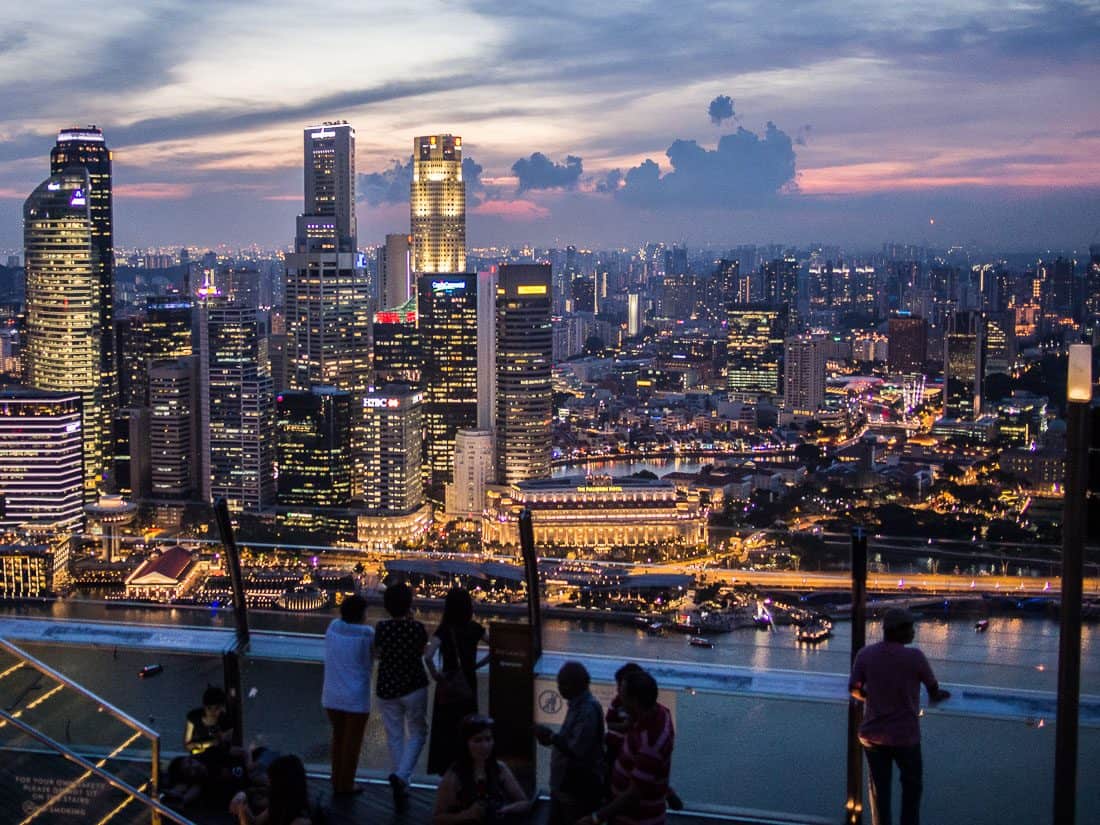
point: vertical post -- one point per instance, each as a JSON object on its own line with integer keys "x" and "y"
{"x": 853, "y": 810}
{"x": 531, "y": 574}
{"x": 154, "y": 777}
{"x": 231, "y": 673}
{"x": 233, "y": 559}
{"x": 1079, "y": 396}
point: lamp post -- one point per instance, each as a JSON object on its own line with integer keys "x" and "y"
{"x": 1078, "y": 399}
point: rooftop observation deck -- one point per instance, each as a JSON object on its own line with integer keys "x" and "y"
{"x": 754, "y": 745}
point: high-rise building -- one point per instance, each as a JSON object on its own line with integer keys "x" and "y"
{"x": 174, "y": 439}
{"x": 64, "y": 318}
{"x": 41, "y": 464}
{"x": 328, "y": 319}
{"x": 313, "y": 433}
{"x": 397, "y": 355}
{"x": 448, "y": 315}
{"x": 395, "y": 260}
{"x": 908, "y": 345}
{"x": 437, "y": 205}
{"x": 633, "y": 315}
{"x": 240, "y": 284}
{"x": 329, "y": 176}
{"x": 85, "y": 147}
{"x": 523, "y": 365}
{"x": 755, "y": 350}
{"x": 1092, "y": 283}
{"x": 1000, "y": 342}
{"x": 238, "y": 407}
{"x": 963, "y": 350}
{"x": 804, "y": 374}
{"x": 393, "y": 417}
{"x": 474, "y": 471}
{"x": 487, "y": 349}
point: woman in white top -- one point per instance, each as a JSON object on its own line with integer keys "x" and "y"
{"x": 346, "y": 692}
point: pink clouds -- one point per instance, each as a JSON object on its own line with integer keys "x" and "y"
{"x": 154, "y": 191}
{"x": 514, "y": 211}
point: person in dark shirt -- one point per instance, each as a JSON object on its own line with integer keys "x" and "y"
{"x": 402, "y": 687}
{"x": 887, "y": 677}
{"x": 456, "y": 640}
{"x": 209, "y": 726}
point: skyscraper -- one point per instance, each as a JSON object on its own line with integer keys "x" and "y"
{"x": 437, "y": 205}
{"x": 313, "y": 433}
{"x": 523, "y": 361}
{"x": 449, "y": 340}
{"x": 755, "y": 350}
{"x": 327, "y": 293}
{"x": 397, "y": 355}
{"x": 907, "y": 350}
{"x": 64, "y": 318}
{"x": 41, "y": 468}
{"x": 85, "y": 147}
{"x": 174, "y": 416}
{"x": 804, "y": 374}
{"x": 395, "y": 260}
{"x": 474, "y": 470}
{"x": 238, "y": 407}
{"x": 393, "y": 416}
{"x": 962, "y": 366}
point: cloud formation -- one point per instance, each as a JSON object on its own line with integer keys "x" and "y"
{"x": 388, "y": 186}
{"x": 721, "y": 108}
{"x": 539, "y": 172}
{"x": 744, "y": 170}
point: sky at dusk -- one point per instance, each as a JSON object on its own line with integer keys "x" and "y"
{"x": 600, "y": 124}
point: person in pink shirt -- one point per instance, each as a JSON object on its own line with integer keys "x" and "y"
{"x": 887, "y": 677}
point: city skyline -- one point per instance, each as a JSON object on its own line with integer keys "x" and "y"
{"x": 938, "y": 124}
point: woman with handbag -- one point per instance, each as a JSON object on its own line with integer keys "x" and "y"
{"x": 456, "y": 640}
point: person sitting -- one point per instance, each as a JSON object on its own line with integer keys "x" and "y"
{"x": 477, "y": 787}
{"x": 287, "y": 800}
{"x": 186, "y": 781}
{"x": 209, "y": 726}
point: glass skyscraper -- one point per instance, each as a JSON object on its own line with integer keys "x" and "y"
{"x": 755, "y": 350}
{"x": 437, "y": 205}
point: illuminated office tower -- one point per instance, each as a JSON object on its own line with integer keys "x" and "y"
{"x": 41, "y": 465}
{"x": 907, "y": 349}
{"x": 633, "y": 314}
{"x": 393, "y": 418}
{"x": 395, "y": 270}
{"x": 313, "y": 433}
{"x": 1091, "y": 287}
{"x": 240, "y": 284}
{"x": 437, "y": 205}
{"x": 237, "y": 406}
{"x": 396, "y": 346}
{"x": 447, "y": 314}
{"x": 487, "y": 349}
{"x": 327, "y": 291}
{"x": 64, "y": 352}
{"x": 963, "y": 350}
{"x": 755, "y": 349}
{"x": 85, "y": 147}
{"x": 174, "y": 416}
{"x": 999, "y": 340}
{"x": 804, "y": 374}
{"x": 523, "y": 361}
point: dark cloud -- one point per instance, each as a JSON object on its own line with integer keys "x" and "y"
{"x": 721, "y": 108}
{"x": 388, "y": 186}
{"x": 1087, "y": 134}
{"x": 744, "y": 170}
{"x": 803, "y": 135}
{"x": 471, "y": 176}
{"x": 611, "y": 181}
{"x": 539, "y": 172}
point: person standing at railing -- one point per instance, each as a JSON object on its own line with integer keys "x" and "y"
{"x": 455, "y": 640}
{"x": 887, "y": 677}
{"x": 345, "y": 694}
{"x": 639, "y": 780}
{"x": 402, "y": 687}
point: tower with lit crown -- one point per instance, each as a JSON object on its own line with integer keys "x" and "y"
{"x": 437, "y": 204}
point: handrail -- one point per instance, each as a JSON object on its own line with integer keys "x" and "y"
{"x": 46, "y": 670}
{"x": 155, "y": 806}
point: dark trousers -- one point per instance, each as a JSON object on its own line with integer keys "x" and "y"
{"x": 880, "y": 762}
{"x": 347, "y": 740}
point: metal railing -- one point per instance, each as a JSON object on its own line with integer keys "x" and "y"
{"x": 133, "y": 795}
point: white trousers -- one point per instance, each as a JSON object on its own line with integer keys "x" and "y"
{"x": 406, "y": 722}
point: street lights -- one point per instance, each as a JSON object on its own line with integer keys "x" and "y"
{"x": 1078, "y": 399}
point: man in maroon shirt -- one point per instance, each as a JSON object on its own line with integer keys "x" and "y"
{"x": 887, "y": 677}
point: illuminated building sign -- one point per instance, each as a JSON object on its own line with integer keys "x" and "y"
{"x": 600, "y": 489}
{"x": 360, "y": 260}
{"x": 78, "y": 198}
{"x": 531, "y": 289}
{"x": 447, "y": 286}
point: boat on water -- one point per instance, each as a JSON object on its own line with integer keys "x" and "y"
{"x": 814, "y": 632}
{"x": 981, "y": 626}
{"x": 700, "y": 641}
{"x": 651, "y": 627}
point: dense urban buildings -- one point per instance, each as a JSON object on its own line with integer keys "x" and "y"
{"x": 64, "y": 312}
{"x": 41, "y": 459}
{"x": 755, "y": 350}
{"x": 437, "y": 205}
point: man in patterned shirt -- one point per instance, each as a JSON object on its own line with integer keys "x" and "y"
{"x": 639, "y": 780}
{"x": 402, "y": 687}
